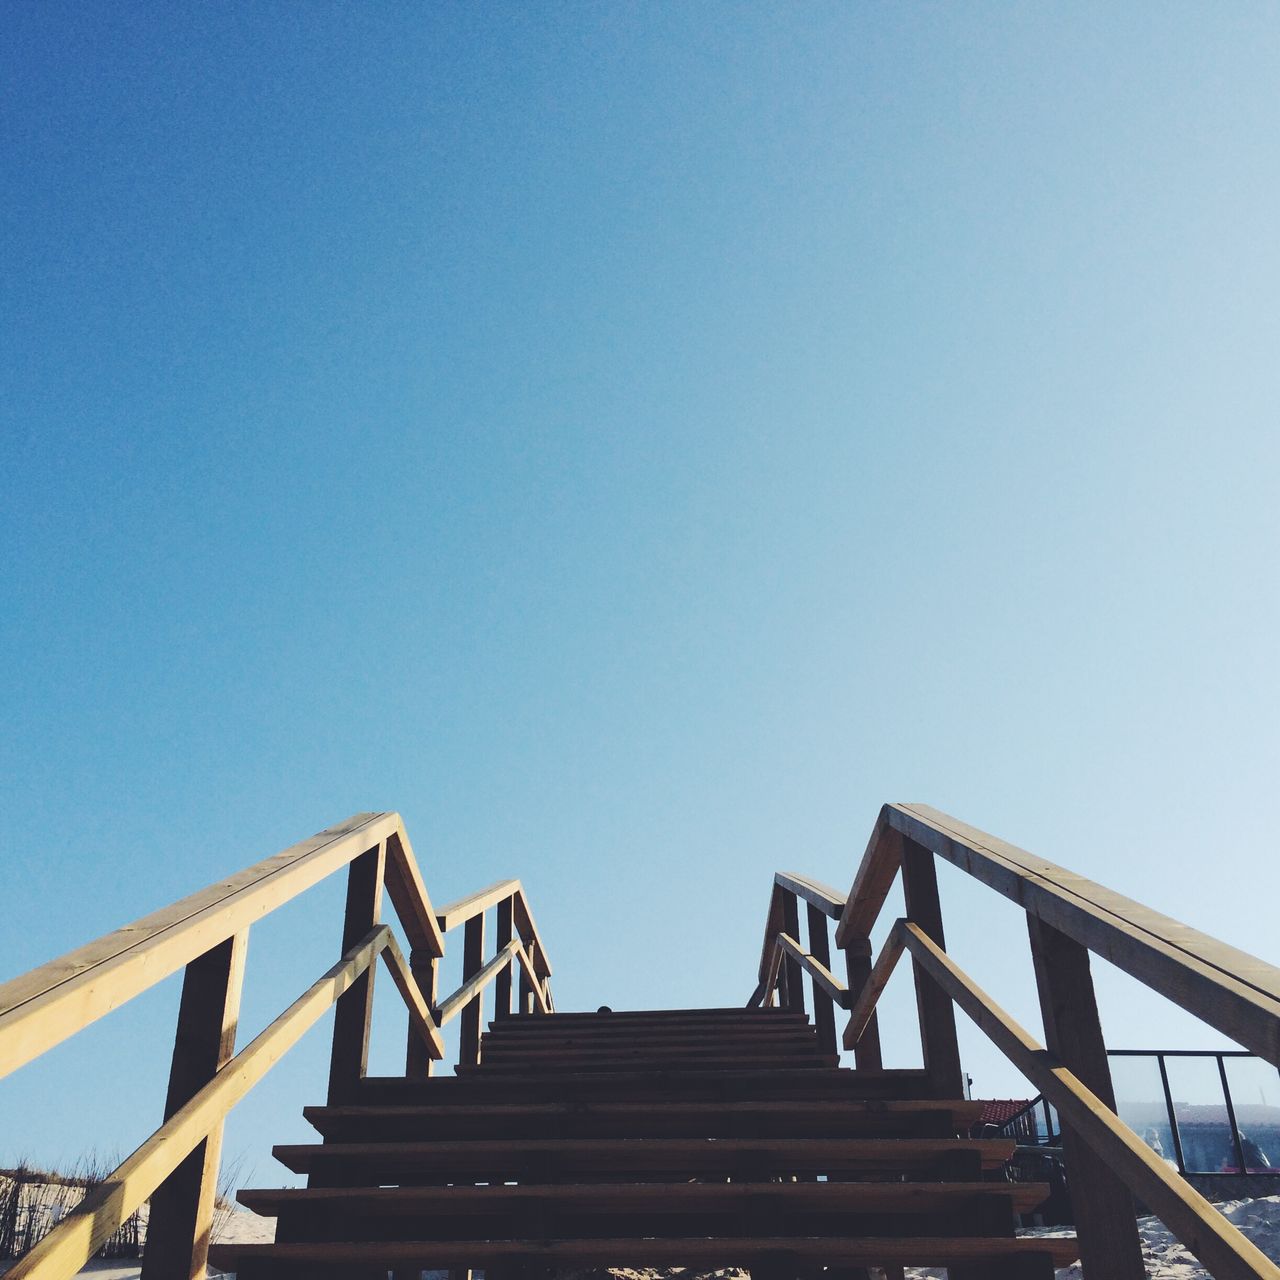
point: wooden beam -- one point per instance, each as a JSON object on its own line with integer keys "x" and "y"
{"x": 1229, "y": 989}
{"x": 459, "y": 912}
{"x": 473, "y": 1011}
{"x": 530, "y": 983}
{"x": 828, "y": 992}
{"x": 409, "y": 895}
{"x": 814, "y": 892}
{"x": 181, "y": 1217}
{"x": 823, "y": 978}
{"x": 864, "y": 1006}
{"x": 794, "y": 993}
{"x": 937, "y": 1017}
{"x": 421, "y": 1023}
{"x": 454, "y": 1004}
{"x": 527, "y": 931}
{"x": 349, "y": 1056}
{"x": 425, "y": 967}
{"x": 1105, "y": 1216}
{"x": 502, "y": 984}
{"x": 773, "y": 925}
{"x": 1225, "y": 1252}
{"x": 87, "y": 1227}
{"x": 876, "y": 874}
{"x": 43, "y": 1007}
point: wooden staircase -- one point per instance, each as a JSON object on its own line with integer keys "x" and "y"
{"x": 700, "y": 1138}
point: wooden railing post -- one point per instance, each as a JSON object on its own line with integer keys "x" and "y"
{"x": 502, "y": 983}
{"x": 425, "y": 968}
{"x": 1106, "y": 1218}
{"x": 353, "y": 1014}
{"x": 472, "y": 963}
{"x": 937, "y": 1013}
{"x": 793, "y": 975}
{"x": 857, "y": 966}
{"x": 526, "y": 984}
{"x": 824, "y": 1007}
{"x": 177, "y": 1246}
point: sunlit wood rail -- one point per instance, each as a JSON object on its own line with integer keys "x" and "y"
{"x": 1067, "y": 918}
{"x": 206, "y": 935}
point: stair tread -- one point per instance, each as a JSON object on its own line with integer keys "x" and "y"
{"x": 796, "y": 1154}
{"x": 645, "y": 1251}
{"x": 685, "y": 1197}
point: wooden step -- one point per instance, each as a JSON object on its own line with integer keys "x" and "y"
{"x": 805, "y": 1083}
{"x": 800, "y": 1119}
{"x": 356, "y": 1163}
{"x": 773, "y": 1040}
{"x": 706, "y": 1253}
{"x": 760, "y": 1061}
{"x": 651, "y": 1197}
{"x": 518, "y": 1021}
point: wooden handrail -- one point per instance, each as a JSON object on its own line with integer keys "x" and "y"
{"x": 206, "y": 933}
{"x": 1235, "y": 992}
{"x": 43, "y": 1007}
{"x": 814, "y": 892}
{"x": 454, "y": 1004}
{"x": 87, "y": 1227}
{"x": 1067, "y": 918}
{"x": 1227, "y": 1253}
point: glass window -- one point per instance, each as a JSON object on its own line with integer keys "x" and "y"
{"x": 1201, "y": 1111}
{"x": 1255, "y": 1095}
{"x": 1140, "y": 1102}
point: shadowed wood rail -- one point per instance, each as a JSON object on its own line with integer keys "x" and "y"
{"x": 671, "y": 1137}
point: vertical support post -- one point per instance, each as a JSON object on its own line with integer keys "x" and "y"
{"x": 937, "y": 1013}
{"x": 824, "y": 1007}
{"x": 1106, "y": 1219}
{"x": 425, "y": 968}
{"x": 353, "y": 1014}
{"x": 182, "y": 1206}
{"x": 857, "y": 967}
{"x": 526, "y": 983}
{"x": 502, "y": 983}
{"x": 472, "y": 963}
{"x": 790, "y": 966}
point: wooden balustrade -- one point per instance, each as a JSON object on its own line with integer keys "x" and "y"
{"x": 1067, "y": 918}
{"x": 206, "y": 934}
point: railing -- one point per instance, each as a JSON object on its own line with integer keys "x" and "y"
{"x": 1067, "y": 918}
{"x": 176, "y": 1168}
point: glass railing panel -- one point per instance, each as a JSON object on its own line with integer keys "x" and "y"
{"x": 1255, "y": 1095}
{"x": 1140, "y": 1102}
{"x": 1200, "y": 1108}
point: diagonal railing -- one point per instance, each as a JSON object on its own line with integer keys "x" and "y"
{"x": 206, "y": 934}
{"x": 1068, "y": 917}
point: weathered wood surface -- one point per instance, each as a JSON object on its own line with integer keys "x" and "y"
{"x": 353, "y": 1017}
{"x": 455, "y": 913}
{"x": 66, "y": 1249}
{"x": 421, "y": 1024}
{"x": 864, "y": 1009}
{"x": 1230, "y": 989}
{"x": 43, "y": 1007}
{"x": 814, "y": 892}
{"x": 459, "y": 1000}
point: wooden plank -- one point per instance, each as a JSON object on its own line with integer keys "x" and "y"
{"x": 865, "y": 1006}
{"x": 459, "y": 912}
{"x": 409, "y": 895}
{"x": 1225, "y": 1252}
{"x": 1105, "y": 1216}
{"x": 43, "y": 1007}
{"x": 937, "y": 1016}
{"x": 876, "y": 874}
{"x": 454, "y": 1004}
{"x": 629, "y": 1155}
{"x": 425, "y": 968}
{"x": 773, "y": 925}
{"x": 826, "y": 994}
{"x": 502, "y": 984}
{"x": 473, "y": 967}
{"x": 527, "y": 929}
{"x": 704, "y": 1252}
{"x": 421, "y": 1022}
{"x": 1231, "y": 990}
{"x": 352, "y": 1019}
{"x": 794, "y": 995}
{"x": 866, "y": 1041}
{"x": 820, "y": 896}
{"x": 530, "y": 987}
{"x": 821, "y": 975}
{"x": 66, "y": 1249}
{"x": 181, "y": 1216}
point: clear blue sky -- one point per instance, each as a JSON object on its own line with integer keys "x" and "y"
{"x": 634, "y": 442}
